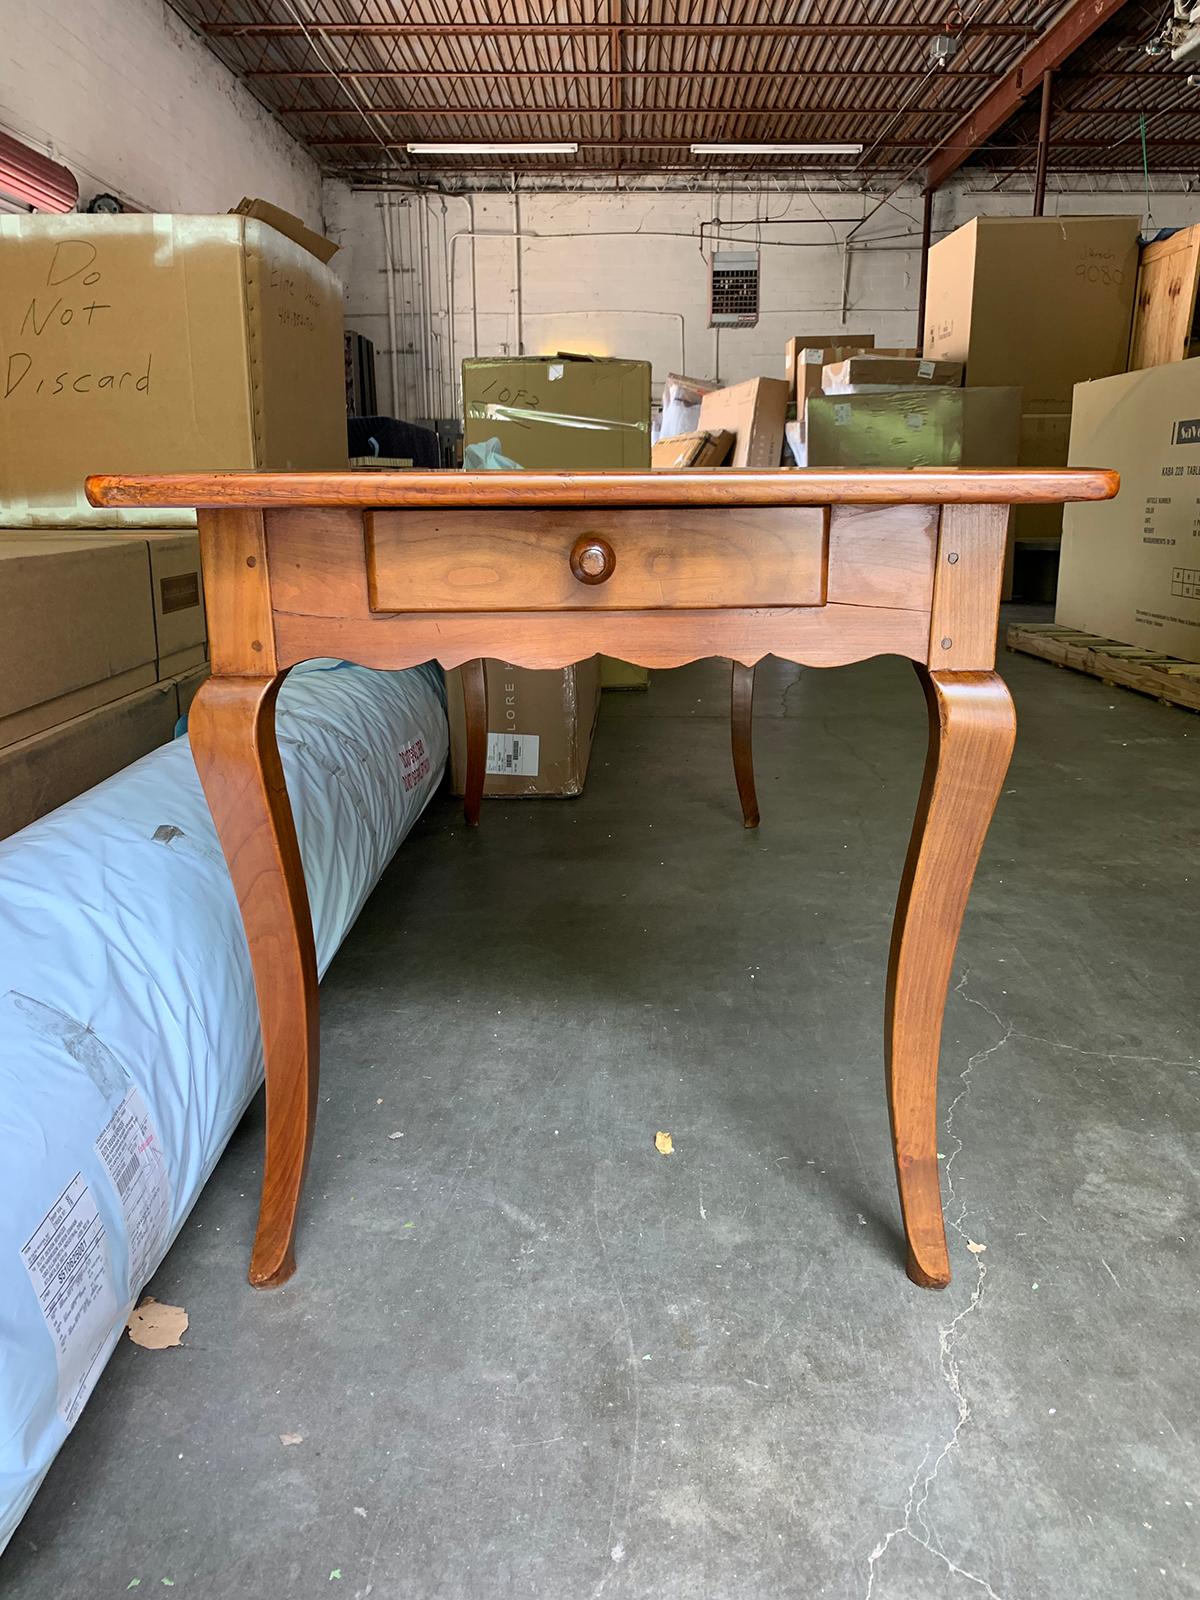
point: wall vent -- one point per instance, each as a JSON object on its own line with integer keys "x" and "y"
{"x": 733, "y": 289}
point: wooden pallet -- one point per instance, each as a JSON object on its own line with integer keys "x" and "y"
{"x": 1174, "y": 682}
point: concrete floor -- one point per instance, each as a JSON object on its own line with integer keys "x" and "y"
{"x": 527, "y": 1355}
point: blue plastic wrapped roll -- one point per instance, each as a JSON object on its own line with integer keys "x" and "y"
{"x": 129, "y": 1036}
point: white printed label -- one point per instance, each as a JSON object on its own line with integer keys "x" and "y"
{"x": 66, "y": 1258}
{"x": 555, "y": 371}
{"x": 813, "y": 358}
{"x": 132, "y": 1155}
{"x": 513, "y": 755}
{"x": 925, "y": 370}
{"x": 841, "y": 415}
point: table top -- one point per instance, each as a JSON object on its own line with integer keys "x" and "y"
{"x": 686, "y": 487}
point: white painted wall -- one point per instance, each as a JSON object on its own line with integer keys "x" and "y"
{"x": 627, "y": 275}
{"x": 127, "y": 96}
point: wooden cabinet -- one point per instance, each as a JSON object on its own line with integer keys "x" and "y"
{"x": 1164, "y": 315}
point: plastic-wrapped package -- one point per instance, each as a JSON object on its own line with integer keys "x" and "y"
{"x": 562, "y": 411}
{"x": 681, "y": 399}
{"x": 129, "y": 1035}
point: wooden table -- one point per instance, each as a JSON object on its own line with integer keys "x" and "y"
{"x": 542, "y": 569}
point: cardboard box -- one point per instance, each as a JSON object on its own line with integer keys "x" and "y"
{"x": 875, "y": 374}
{"x": 567, "y": 412}
{"x": 754, "y": 412}
{"x": 86, "y": 618}
{"x": 798, "y": 343}
{"x": 1043, "y": 302}
{"x": 810, "y": 370}
{"x": 76, "y": 628}
{"x": 692, "y": 450}
{"x": 1130, "y": 567}
{"x": 1045, "y": 441}
{"x": 177, "y": 594}
{"x": 540, "y": 729}
{"x": 143, "y": 343}
{"x": 52, "y": 767}
{"x": 935, "y": 427}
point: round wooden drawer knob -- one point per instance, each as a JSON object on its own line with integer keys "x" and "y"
{"x": 593, "y": 560}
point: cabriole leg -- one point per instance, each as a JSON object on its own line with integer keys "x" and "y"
{"x": 971, "y": 730}
{"x": 231, "y": 727}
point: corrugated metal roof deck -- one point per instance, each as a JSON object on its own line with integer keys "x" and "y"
{"x": 636, "y": 82}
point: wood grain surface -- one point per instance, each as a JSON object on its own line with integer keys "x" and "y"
{"x": 233, "y": 553}
{"x": 521, "y": 560}
{"x": 728, "y": 486}
{"x": 475, "y": 716}
{"x": 741, "y": 729}
{"x": 231, "y": 729}
{"x": 286, "y": 582}
{"x": 972, "y": 726}
{"x": 968, "y": 577}
{"x": 813, "y": 636}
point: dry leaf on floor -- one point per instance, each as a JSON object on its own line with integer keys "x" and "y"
{"x": 291, "y": 1438}
{"x": 663, "y": 1144}
{"x": 975, "y": 1249}
{"x": 156, "y": 1326}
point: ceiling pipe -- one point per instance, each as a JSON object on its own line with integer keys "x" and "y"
{"x": 603, "y": 30}
{"x": 686, "y": 73}
{"x": 777, "y": 111}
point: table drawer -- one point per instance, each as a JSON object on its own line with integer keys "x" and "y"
{"x": 636, "y": 560}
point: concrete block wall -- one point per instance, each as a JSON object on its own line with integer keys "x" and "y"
{"x": 128, "y": 97}
{"x": 627, "y": 274}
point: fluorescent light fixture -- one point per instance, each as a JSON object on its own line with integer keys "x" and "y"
{"x": 470, "y": 148}
{"x": 777, "y": 149}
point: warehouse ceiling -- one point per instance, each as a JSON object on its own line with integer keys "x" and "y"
{"x": 636, "y": 83}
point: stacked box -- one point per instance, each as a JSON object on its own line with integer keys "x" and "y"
{"x": 137, "y": 343}
{"x": 557, "y": 413}
{"x": 160, "y": 344}
{"x": 102, "y": 646}
{"x": 1130, "y": 567}
{"x": 1041, "y": 302}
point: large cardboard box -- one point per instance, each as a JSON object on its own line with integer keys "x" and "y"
{"x": 159, "y": 344}
{"x": 560, "y": 412}
{"x": 52, "y": 767}
{"x": 1130, "y": 567}
{"x": 1045, "y": 440}
{"x": 1043, "y": 302}
{"x": 76, "y": 628}
{"x": 934, "y": 427}
{"x": 793, "y": 350}
{"x": 876, "y": 372}
{"x": 86, "y": 618}
{"x": 177, "y": 594}
{"x": 691, "y": 450}
{"x": 540, "y": 729}
{"x": 754, "y": 412}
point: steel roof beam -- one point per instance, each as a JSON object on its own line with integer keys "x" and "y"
{"x": 1075, "y": 24}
